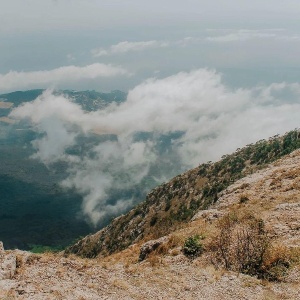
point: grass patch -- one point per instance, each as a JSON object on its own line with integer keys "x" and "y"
{"x": 42, "y": 249}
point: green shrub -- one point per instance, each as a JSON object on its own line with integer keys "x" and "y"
{"x": 192, "y": 246}
{"x": 244, "y": 199}
{"x": 42, "y": 249}
{"x": 153, "y": 221}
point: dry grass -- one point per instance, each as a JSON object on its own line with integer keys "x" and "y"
{"x": 243, "y": 245}
{"x": 155, "y": 260}
{"x": 126, "y": 257}
{"x": 120, "y": 284}
{"x": 8, "y": 295}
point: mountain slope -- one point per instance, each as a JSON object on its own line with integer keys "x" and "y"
{"x": 89, "y": 100}
{"x": 171, "y": 205}
{"x": 270, "y": 194}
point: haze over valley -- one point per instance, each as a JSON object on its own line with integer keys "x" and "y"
{"x": 103, "y": 101}
{"x": 149, "y": 149}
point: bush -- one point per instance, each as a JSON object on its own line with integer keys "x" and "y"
{"x": 277, "y": 261}
{"x": 243, "y": 245}
{"x": 244, "y": 198}
{"x": 193, "y": 246}
{"x": 153, "y": 221}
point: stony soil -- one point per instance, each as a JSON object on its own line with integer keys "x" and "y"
{"x": 56, "y": 277}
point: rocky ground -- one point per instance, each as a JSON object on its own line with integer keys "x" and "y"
{"x": 272, "y": 194}
{"x": 56, "y": 277}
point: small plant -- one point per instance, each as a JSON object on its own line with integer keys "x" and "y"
{"x": 153, "y": 221}
{"x": 244, "y": 198}
{"x": 277, "y": 261}
{"x": 193, "y": 246}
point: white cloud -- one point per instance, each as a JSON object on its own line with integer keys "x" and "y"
{"x": 187, "y": 41}
{"x": 247, "y": 34}
{"x": 213, "y": 119}
{"x": 241, "y": 35}
{"x": 99, "y": 52}
{"x": 126, "y": 46}
{"x": 16, "y": 80}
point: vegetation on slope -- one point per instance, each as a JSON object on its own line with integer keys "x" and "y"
{"x": 172, "y": 204}
{"x": 243, "y": 245}
{"x": 88, "y": 100}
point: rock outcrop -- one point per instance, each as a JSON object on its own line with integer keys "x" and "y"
{"x": 151, "y": 246}
{"x": 8, "y": 263}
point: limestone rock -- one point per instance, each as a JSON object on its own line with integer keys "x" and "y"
{"x": 150, "y": 246}
{"x": 2, "y": 252}
{"x": 209, "y": 214}
{"x": 8, "y": 264}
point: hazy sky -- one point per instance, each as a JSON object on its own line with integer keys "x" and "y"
{"x": 118, "y": 44}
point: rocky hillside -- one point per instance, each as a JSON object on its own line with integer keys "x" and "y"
{"x": 172, "y": 205}
{"x": 260, "y": 209}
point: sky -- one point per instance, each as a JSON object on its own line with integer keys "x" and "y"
{"x": 211, "y": 75}
{"x": 125, "y": 42}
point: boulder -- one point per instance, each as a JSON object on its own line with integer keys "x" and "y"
{"x": 209, "y": 214}
{"x": 150, "y": 246}
{"x": 2, "y": 252}
{"x": 8, "y": 264}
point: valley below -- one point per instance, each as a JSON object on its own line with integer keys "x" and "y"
{"x": 162, "y": 268}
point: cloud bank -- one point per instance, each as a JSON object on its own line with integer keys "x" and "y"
{"x": 125, "y": 46}
{"x": 165, "y": 126}
{"x": 17, "y": 80}
{"x": 247, "y": 34}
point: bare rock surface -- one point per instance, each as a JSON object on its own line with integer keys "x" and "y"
{"x": 272, "y": 193}
{"x": 151, "y": 246}
{"x": 209, "y": 214}
{"x": 56, "y": 277}
{"x": 7, "y": 263}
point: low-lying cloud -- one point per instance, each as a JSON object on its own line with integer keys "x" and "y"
{"x": 165, "y": 126}
{"x": 247, "y": 34}
{"x": 18, "y": 80}
{"x": 126, "y": 46}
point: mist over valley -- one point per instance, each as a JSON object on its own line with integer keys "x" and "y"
{"x": 74, "y": 160}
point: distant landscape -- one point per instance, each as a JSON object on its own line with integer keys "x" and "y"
{"x": 35, "y": 211}
{"x": 149, "y": 150}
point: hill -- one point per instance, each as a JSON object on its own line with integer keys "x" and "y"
{"x": 89, "y": 100}
{"x": 173, "y": 204}
{"x": 241, "y": 242}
